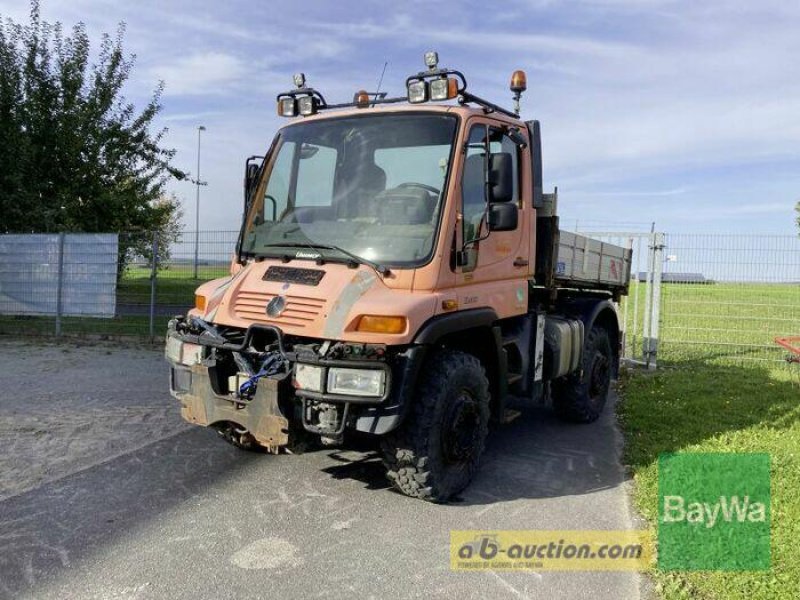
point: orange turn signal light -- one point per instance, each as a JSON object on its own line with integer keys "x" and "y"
{"x": 381, "y": 324}
{"x": 199, "y": 302}
{"x": 519, "y": 82}
{"x": 449, "y": 304}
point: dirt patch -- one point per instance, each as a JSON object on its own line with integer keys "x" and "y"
{"x": 66, "y": 407}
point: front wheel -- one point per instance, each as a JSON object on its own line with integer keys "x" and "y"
{"x": 581, "y": 397}
{"x": 436, "y": 452}
{"x": 238, "y": 436}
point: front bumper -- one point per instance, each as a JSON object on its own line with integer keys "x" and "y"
{"x": 266, "y": 415}
{"x": 201, "y": 405}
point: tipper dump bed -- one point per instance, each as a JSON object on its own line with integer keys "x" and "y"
{"x": 570, "y": 260}
{"x": 585, "y": 262}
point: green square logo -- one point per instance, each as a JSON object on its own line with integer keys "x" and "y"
{"x": 714, "y": 512}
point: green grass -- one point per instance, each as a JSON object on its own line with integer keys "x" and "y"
{"x": 717, "y": 322}
{"x": 711, "y": 396}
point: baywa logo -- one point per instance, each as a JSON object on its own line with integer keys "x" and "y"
{"x": 714, "y": 511}
{"x": 730, "y": 510}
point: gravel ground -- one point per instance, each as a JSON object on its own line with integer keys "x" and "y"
{"x": 106, "y": 493}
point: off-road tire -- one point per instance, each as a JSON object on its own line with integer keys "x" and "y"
{"x": 437, "y": 450}
{"x": 581, "y": 397}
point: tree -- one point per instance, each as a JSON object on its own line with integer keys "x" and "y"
{"x": 167, "y": 216}
{"x": 75, "y": 155}
{"x": 797, "y": 210}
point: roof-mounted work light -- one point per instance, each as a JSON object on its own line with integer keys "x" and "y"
{"x": 287, "y": 107}
{"x": 300, "y": 101}
{"x": 417, "y": 91}
{"x": 306, "y": 105}
{"x": 435, "y": 83}
{"x": 432, "y": 60}
{"x": 443, "y": 88}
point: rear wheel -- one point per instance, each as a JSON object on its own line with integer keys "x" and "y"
{"x": 436, "y": 452}
{"x": 581, "y": 397}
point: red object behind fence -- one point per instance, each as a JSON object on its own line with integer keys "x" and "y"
{"x": 792, "y": 344}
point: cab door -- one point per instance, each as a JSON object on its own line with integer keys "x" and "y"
{"x": 492, "y": 267}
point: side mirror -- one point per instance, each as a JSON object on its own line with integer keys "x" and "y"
{"x": 502, "y": 217}
{"x": 250, "y": 178}
{"x": 501, "y": 177}
{"x": 250, "y": 174}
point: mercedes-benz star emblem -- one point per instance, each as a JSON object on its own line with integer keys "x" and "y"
{"x": 276, "y": 306}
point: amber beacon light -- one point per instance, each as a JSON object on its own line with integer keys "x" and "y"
{"x": 361, "y": 99}
{"x": 519, "y": 83}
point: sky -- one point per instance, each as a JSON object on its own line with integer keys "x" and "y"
{"x": 678, "y": 112}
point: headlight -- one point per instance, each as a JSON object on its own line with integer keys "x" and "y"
{"x": 173, "y": 349}
{"x": 185, "y": 354}
{"x": 308, "y": 377}
{"x": 356, "y": 382}
{"x": 417, "y": 91}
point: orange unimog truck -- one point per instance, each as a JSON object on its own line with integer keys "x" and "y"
{"x": 400, "y": 273}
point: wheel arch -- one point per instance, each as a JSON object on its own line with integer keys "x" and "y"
{"x": 475, "y": 332}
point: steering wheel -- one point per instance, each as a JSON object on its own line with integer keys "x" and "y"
{"x": 428, "y": 188}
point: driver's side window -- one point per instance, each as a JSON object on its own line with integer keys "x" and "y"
{"x": 316, "y": 171}
{"x": 276, "y": 197}
{"x": 473, "y": 184}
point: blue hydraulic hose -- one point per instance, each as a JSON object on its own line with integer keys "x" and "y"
{"x": 271, "y": 365}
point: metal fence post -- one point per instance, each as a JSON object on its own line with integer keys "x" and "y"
{"x": 153, "y": 276}
{"x": 648, "y": 289}
{"x": 655, "y": 306}
{"x": 635, "y": 333}
{"x": 60, "y": 283}
{"x": 625, "y": 302}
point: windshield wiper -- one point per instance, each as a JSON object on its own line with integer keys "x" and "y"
{"x": 380, "y": 269}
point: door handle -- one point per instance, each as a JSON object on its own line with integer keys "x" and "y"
{"x": 520, "y": 262}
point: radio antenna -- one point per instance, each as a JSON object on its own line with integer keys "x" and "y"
{"x": 380, "y": 81}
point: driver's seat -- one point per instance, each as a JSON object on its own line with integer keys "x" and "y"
{"x": 405, "y": 206}
{"x": 369, "y": 181}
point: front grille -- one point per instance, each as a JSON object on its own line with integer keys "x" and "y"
{"x": 299, "y": 312}
{"x": 294, "y": 275}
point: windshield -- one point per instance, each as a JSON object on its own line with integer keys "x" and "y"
{"x": 370, "y": 185}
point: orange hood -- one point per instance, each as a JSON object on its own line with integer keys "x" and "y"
{"x": 322, "y": 302}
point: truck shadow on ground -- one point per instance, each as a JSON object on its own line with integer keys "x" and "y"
{"x": 535, "y": 456}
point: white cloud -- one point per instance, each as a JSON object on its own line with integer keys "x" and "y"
{"x": 631, "y": 193}
{"x": 200, "y": 73}
{"x": 645, "y": 97}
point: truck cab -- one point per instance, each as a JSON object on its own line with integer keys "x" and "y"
{"x": 399, "y": 273}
